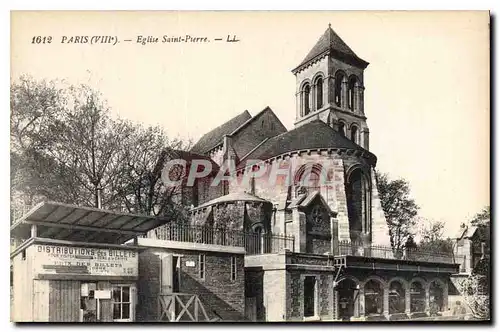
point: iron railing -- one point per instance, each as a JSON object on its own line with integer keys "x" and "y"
{"x": 254, "y": 243}
{"x": 348, "y": 248}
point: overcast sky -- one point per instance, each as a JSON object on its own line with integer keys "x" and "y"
{"x": 426, "y": 97}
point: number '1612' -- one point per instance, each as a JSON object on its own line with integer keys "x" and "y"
{"x": 41, "y": 40}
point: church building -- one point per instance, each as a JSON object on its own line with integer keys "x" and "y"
{"x": 323, "y": 248}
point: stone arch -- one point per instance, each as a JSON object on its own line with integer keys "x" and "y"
{"x": 374, "y": 289}
{"x": 318, "y": 81}
{"x": 358, "y": 194}
{"x": 347, "y": 297}
{"x": 354, "y": 130}
{"x": 309, "y": 176}
{"x": 376, "y": 278}
{"x": 397, "y": 295}
{"x": 417, "y": 295}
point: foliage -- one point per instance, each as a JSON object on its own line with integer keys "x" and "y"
{"x": 482, "y": 218}
{"x": 66, "y": 146}
{"x": 432, "y": 239}
{"x": 400, "y": 210}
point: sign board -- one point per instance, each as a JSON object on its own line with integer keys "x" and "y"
{"x": 190, "y": 263}
{"x": 69, "y": 260}
{"x": 102, "y": 294}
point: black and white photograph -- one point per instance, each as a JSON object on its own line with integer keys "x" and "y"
{"x": 250, "y": 166}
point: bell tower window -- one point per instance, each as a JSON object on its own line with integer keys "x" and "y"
{"x": 352, "y": 94}
{"x": 319, "y": 93}
{"x": 354, "y": 134}
{"x": 307, "y": 99}
{"x": 342, "y": 129}
{"x": 339, "y": 89}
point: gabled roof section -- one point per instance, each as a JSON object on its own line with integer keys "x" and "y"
{"x": 233, "y": 197}
{"x": 313, "y": 135}
{"x": 215, "y": 136}
{"x": 331, "y": 42}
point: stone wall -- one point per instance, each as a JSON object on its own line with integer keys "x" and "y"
{"x": 220, "y": 295}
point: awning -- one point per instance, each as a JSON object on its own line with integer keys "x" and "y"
{"x": 75, "y": 223}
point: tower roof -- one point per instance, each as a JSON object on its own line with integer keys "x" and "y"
{"x": 330, "y": 42}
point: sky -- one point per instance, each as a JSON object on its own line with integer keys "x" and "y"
{"x": 426, "y": 88}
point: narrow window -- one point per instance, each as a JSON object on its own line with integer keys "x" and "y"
{"x": 309, "y": 296}
{"x": 201, "y": 266}
{"x": 338, "y": 89}
{"x": 351, "y": 94}
{"x": 354, "y": 134}
{"x": 342, "y": 129}
{"x": 23, "y": 257}
{"x": 307, "y": 97}
{"x": 233, "y": 268}
{"x": 319, "y": 93}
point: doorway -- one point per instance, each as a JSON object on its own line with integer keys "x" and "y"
{"x": 309, "y": 296}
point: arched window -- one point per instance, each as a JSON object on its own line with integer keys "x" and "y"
{"x": 319, "y": 93}
{"x": 342, "y": 129}
{"x": 339, "y": 79}
{"x": 354, "y": 134}
{"x": 374, "y": 299}
{"x": 307, "y": 179}
{"x": 397, "y": 295}
{"x": 307, "y": 99}
{"x": 417, "y": 297}
{"x": 358, "y": 205}
{"x": 352, "y": 94}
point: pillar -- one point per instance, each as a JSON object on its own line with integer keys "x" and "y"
{"x": 361, "y": 303}
{"x": 386, "y": 301}
{"x": 344, "y": 93}
{"x": 361, "y": 100}
{"x": 299, "y": 230}
{"x": 357, "y": 302}
{"x": 445, "y": 297}
{"x": 335, "y": 238}
{"x": 408, "y": 300}
{"x": 427, "y": 300}
{"x": 33, "y": 230}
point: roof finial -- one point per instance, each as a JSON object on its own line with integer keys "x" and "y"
{"x": 329, "y": 26}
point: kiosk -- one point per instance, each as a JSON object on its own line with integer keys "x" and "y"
{"x": 71, "y": 264}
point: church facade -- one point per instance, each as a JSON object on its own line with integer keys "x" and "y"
{"x": 319, "y": 245}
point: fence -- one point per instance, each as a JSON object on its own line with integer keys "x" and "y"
{"x": 348, "y": 248}
{"x": 254, "y": 243}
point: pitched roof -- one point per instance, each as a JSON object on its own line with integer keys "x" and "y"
{"x": 215, "y": 136}
{"x": 313, "y": 135}
{"x": 330, "y": 41}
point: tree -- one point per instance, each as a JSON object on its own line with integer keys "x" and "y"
{"x": 400, "y": 210}
{"x": 432, "y": 239}
{"x": 67, "y": 147}
{"x": 482, "y": 218}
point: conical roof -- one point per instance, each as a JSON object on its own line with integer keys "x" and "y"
{"x": 331, "y": 42}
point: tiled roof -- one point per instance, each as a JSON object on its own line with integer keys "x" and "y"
{"x": 215, "y": 136}
{"x": 331, "y": 41}
{"x": 313, "y": 135}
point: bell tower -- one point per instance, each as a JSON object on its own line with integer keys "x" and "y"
{"x": 330, "y": 88}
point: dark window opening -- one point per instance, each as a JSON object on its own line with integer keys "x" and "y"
{"x": 354, "y": 134}
{"x": 121, "y": 302}
{"x": 397, "y": 295}
{"x": 338, "y": 89}
{"x": 342, "y": 129}
{"x": 319, "y": 93}
{"x": 309, "y": 296}
{"x": 351, "y": 93}
{"x": 307, "y": 97}
{"x": 417, "y": 297}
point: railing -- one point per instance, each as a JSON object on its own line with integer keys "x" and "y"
{"x": 254, "y": 243}
{"x": 257, "y": 244}
{"x": 348, "y": 248}
{"x": 178, "y": 307}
